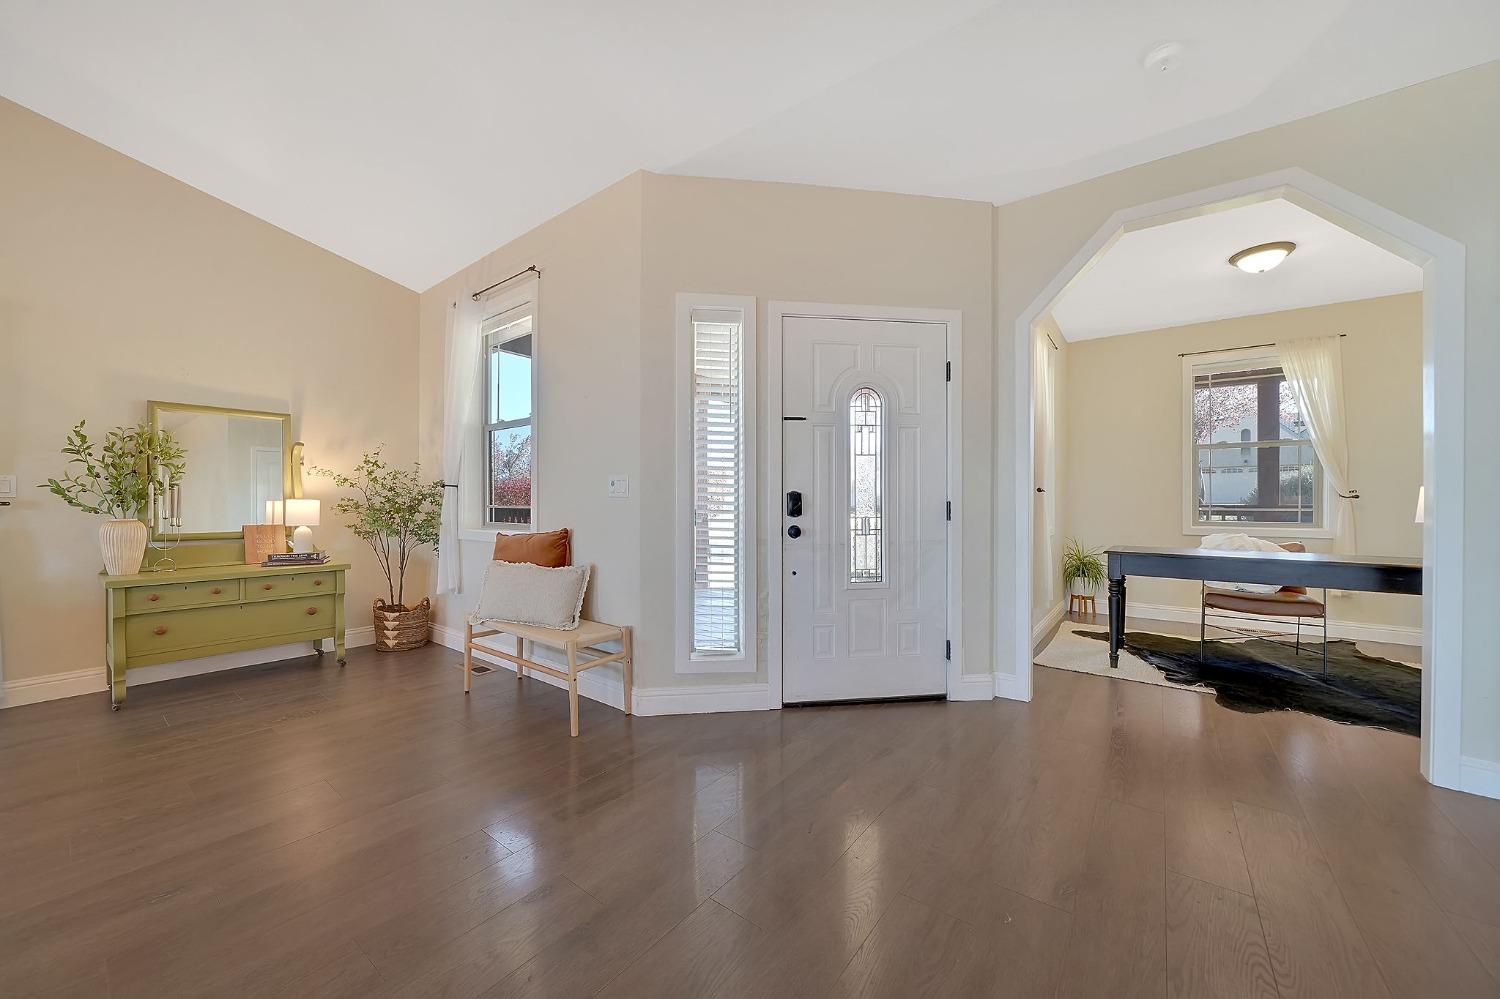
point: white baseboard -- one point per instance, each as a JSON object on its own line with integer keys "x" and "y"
{"x": 973, "y": 688}
{"x": 606, "y": 686}
{"x": 702, "y": 699}
{"x": 1046, "y": 624}
{"x": 1352, "y": 630}
{"x": 1479, "y": 777}
{"x": 50, "y": 688}
{"x": 91, "y": 681}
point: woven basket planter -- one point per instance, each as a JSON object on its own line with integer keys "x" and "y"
{"x": 398, "y": 628}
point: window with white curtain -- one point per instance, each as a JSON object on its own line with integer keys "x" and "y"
{"x": 1251, "y": 464}
{"x": 509, "y": 418}
{"x": 716, "y": 426}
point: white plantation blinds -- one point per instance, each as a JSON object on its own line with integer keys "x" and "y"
{"x": 718, "y": 482}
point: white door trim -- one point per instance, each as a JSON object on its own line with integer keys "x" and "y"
{"x": 770, "y": 527}
{"x": 1443, "y": 338}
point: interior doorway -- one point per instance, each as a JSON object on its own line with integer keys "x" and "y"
{"x": 1442, "y": 263}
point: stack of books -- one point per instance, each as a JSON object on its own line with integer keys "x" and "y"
{"x": 295, "y": 558}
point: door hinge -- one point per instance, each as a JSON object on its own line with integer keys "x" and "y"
{"x": 948, "y": 377}
{"x": 950, "y": 509}
{"x": 948, "y": 650}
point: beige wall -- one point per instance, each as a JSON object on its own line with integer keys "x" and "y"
{"x": 612, "y": 268}
{"x": 790, "y": 242}
{"x": 119, "y": 284}
{"x": 1429, "y": 153}
{"x": 588, "y": 397}
{"x": 1125, "y": 443}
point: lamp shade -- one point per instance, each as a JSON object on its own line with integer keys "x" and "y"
{"x": 1421, "y": 504}
{"x": 302, "y": 512}
{"x": 274, "y": 512}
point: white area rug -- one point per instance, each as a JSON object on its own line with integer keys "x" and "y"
{"x": 1081, "y": 654}
{"x": 1070, "y": 650}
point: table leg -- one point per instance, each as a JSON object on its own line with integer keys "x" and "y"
{"x": 1116, "y": 619}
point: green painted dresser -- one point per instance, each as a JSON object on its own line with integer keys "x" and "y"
{"x": 204, "y": 610}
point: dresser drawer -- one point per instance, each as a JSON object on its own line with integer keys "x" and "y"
{"x": 146, "y": 634}
{"x": 169, "y": 594}
{"x": 290, "y": 585}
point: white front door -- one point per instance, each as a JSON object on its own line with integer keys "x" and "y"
{"x": 864, "y": 561}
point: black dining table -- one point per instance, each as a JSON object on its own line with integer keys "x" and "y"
{"x": 1368, "y": 573}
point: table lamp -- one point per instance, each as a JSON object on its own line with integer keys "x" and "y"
{"x": 303, "y": 515}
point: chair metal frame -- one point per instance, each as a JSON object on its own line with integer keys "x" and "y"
{"x": 1222, "y": 615}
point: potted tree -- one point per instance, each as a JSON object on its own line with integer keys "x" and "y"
{"x": 113, "y": 477}
{"x": 395, "y": 513}
{"x": 1082, "y": 568}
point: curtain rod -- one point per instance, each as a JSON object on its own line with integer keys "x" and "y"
{"x": 532, "y": 269}
{"x": 1248, "y": 346}
{"x": 1049, "y": 339}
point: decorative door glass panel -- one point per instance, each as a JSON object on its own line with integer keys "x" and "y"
{"x": 866, "y": 487}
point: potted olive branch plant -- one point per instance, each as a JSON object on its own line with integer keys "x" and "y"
{"x": 113, "y": 477}
{"x": 1082, "y": 568}
{"x": 395, "y": 513}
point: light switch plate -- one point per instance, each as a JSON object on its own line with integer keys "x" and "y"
{"x": 7, "y": 486}
{"x": 619, "y": 487}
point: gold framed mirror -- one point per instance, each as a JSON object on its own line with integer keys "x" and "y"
{"x": 239, "y": 462}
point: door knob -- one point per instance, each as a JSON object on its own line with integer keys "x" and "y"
{"x": 794, "y": 532}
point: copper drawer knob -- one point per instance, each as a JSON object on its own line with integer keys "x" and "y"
{"x": 317, "y": 582}
{"x": 265, "y": 586}
{"x": 311, "y": 611}
{"x": 161, "y": 629}
{"x": 154, "y": 597}
{"x": 216, "y": 591}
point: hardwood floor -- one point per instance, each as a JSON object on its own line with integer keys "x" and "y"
{"x": 301, "y": 830}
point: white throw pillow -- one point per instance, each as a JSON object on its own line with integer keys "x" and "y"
{"x": 521, "y": 593}
{"x": 1241, "y": 543}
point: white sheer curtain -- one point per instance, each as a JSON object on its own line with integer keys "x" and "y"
{"x": 460, "y": 425}
{"x": 1044, "y": 451}
{"x": 1315, "y": 374}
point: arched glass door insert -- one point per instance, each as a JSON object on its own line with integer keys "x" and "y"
{"x": 866, "y": 487}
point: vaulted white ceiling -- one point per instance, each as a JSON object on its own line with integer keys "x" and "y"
{"x": 414, "y": 137}
{"x": 1179, "y": 273}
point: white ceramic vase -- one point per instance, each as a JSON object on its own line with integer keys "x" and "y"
{"x": 123, "y": 545}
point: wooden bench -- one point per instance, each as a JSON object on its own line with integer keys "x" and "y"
{"x": 584, "y": 640}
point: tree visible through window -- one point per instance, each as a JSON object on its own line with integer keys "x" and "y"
{"x": 1252, "y": 452}
{"x": 510, "y": 420}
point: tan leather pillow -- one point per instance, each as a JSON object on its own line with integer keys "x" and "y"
{"x": 552, "y": 549}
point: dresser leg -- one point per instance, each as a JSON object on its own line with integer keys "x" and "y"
{"x": 116, "y": 665}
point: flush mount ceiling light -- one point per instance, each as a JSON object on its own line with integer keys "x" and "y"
{"x": 1163, "y": 58}
{"x": 1259, "y": 259}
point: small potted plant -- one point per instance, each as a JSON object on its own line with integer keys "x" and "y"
{"x": 112, "y": 477}
{"x": 1082, "y": 568}
{"x": 395, "y": 513}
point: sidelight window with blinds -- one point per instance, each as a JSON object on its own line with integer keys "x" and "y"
{"x": 717, "y": 397}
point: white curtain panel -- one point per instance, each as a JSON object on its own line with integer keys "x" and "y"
{"x": 460, "y": 425}
{"x": 1315, "y": 374}
{"x": 1044, "y": 433}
